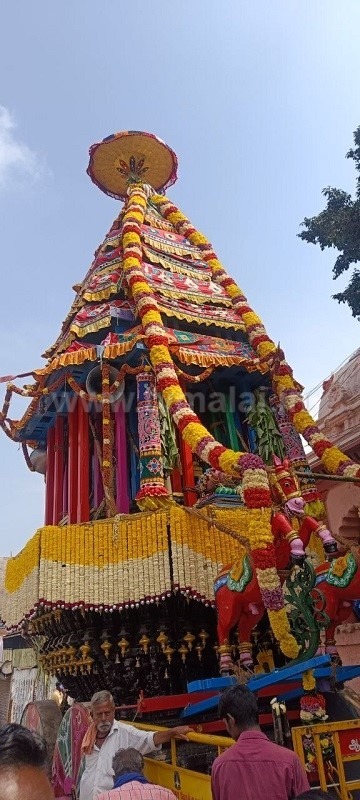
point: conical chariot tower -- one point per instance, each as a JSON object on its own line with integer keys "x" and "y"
{"x": 155, "y": 421}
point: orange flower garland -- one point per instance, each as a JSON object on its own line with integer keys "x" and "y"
{"x": 333, "y": 459}
{"x": 251, "y": 468}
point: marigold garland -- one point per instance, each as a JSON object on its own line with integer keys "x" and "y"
{"x": 82, "y": 565}
{"x": 251, "y": 468}
{"x": 308, "y": 680}
{"x": 107, "y": 441}
{"x": 118, "y": 562}
{"x": 333, "y": 459}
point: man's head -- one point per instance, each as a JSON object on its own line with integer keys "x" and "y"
{"x": 239, "y": 710}
{"x": 22, "y": 765}
{"x": 103, "y": 711}
{"x": 129, "y": 760}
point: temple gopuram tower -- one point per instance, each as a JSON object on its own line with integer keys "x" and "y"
{"x": 154, "y": 422}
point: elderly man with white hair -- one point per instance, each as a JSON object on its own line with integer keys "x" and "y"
{"x": 105, "y": 737}
{"x": 130, "y": 782}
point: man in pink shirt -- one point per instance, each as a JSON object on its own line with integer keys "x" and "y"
{"x": 130, "y": 782}
{"x": 253, "y": 768}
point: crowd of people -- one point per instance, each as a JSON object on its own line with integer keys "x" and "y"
{"x": 253, "y": 768}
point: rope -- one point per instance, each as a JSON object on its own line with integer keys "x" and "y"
{"x": 125, "y": 370}
{"x": 349, "y": 546}
{"x": 211, "y": 521}
{"x": 326, "y": 476}
{"x": 27, "y": 457}
{"x": 109, "y": 497}
{"x": 194, "y": 378}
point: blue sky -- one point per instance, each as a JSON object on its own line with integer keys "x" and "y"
{"x": 258, "y": 99}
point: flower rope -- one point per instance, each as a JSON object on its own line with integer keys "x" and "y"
{"x": 125, "y": 370}
{"x": 6, "y": 403}
{"x": 27, "y": 458}
{"x": 109, "y": 495}
{"x": 10, "y": 426}
{"x": 204, "y": 375}
{"x": 107, "y": 427}
{"x": 250, "y": 468}
{"x": 24, "y": 391}
{"x": 333, "y": 459}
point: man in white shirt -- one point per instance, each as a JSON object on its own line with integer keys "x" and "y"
{"x": 105, "y": 737}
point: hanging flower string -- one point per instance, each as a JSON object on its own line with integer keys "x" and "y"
{"x": 107, "y": 427}
{"x": 203, "y": 376}
{"x": 333, "y": 459}
{"x": 125, "y": 370}
{"x": 250, "y": 468}
{"x": 121, "y": 562}
{"x": 9, "y": 426}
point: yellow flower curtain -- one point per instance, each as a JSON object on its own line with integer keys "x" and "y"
{"x": 121, "y": 562}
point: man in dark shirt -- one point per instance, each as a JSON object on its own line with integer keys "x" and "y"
{"x": 253, "y": 768}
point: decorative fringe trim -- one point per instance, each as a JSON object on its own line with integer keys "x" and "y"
{"x": 198, "y": 299}
{"x": 171, "y": 266}
{"x": 154, "y": 219}
{"x": 103, "y": 294}
{"x": 76, "y": 357}
{"x": 91, "y": 327}
{"x": 171, "y": 311}
{"x": 182, "y": 249}
{"x": 188, "y": 356}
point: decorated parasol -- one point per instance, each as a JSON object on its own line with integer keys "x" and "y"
{"x": 43, "y": 717}
{"x": 131, "y": 157}
{"x": 67, "y": 766}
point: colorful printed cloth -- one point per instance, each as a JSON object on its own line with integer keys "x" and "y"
{"x": 66, "y": 770}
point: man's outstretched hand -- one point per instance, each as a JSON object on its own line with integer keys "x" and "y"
{"x": 180, "y": 732}
{"x": 163, "y": 737}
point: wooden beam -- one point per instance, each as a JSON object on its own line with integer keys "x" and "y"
{"x": 49, "y": 488}
{"x": 324, "y": 476}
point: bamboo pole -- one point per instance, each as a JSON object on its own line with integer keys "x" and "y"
{"x": 324, "y": 476}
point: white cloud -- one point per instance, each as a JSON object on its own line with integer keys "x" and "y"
{"x": 16, "y": 158}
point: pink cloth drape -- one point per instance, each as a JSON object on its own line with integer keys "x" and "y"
{"x": 121, "y": 478}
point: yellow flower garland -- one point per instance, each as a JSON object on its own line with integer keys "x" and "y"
{"x": 308, "y": 680}
{"x": 332, "y": 458}
{"x": 193, "y": 432}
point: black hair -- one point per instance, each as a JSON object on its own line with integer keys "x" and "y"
{"x": 241, "y": 704}
{"x": 313, "y": 794}
{"x": 20, "y": 747}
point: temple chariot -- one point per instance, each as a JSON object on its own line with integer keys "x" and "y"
{"x": 184, "y": 540}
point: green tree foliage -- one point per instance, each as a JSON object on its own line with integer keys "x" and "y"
{"x": 338, "y": 226}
